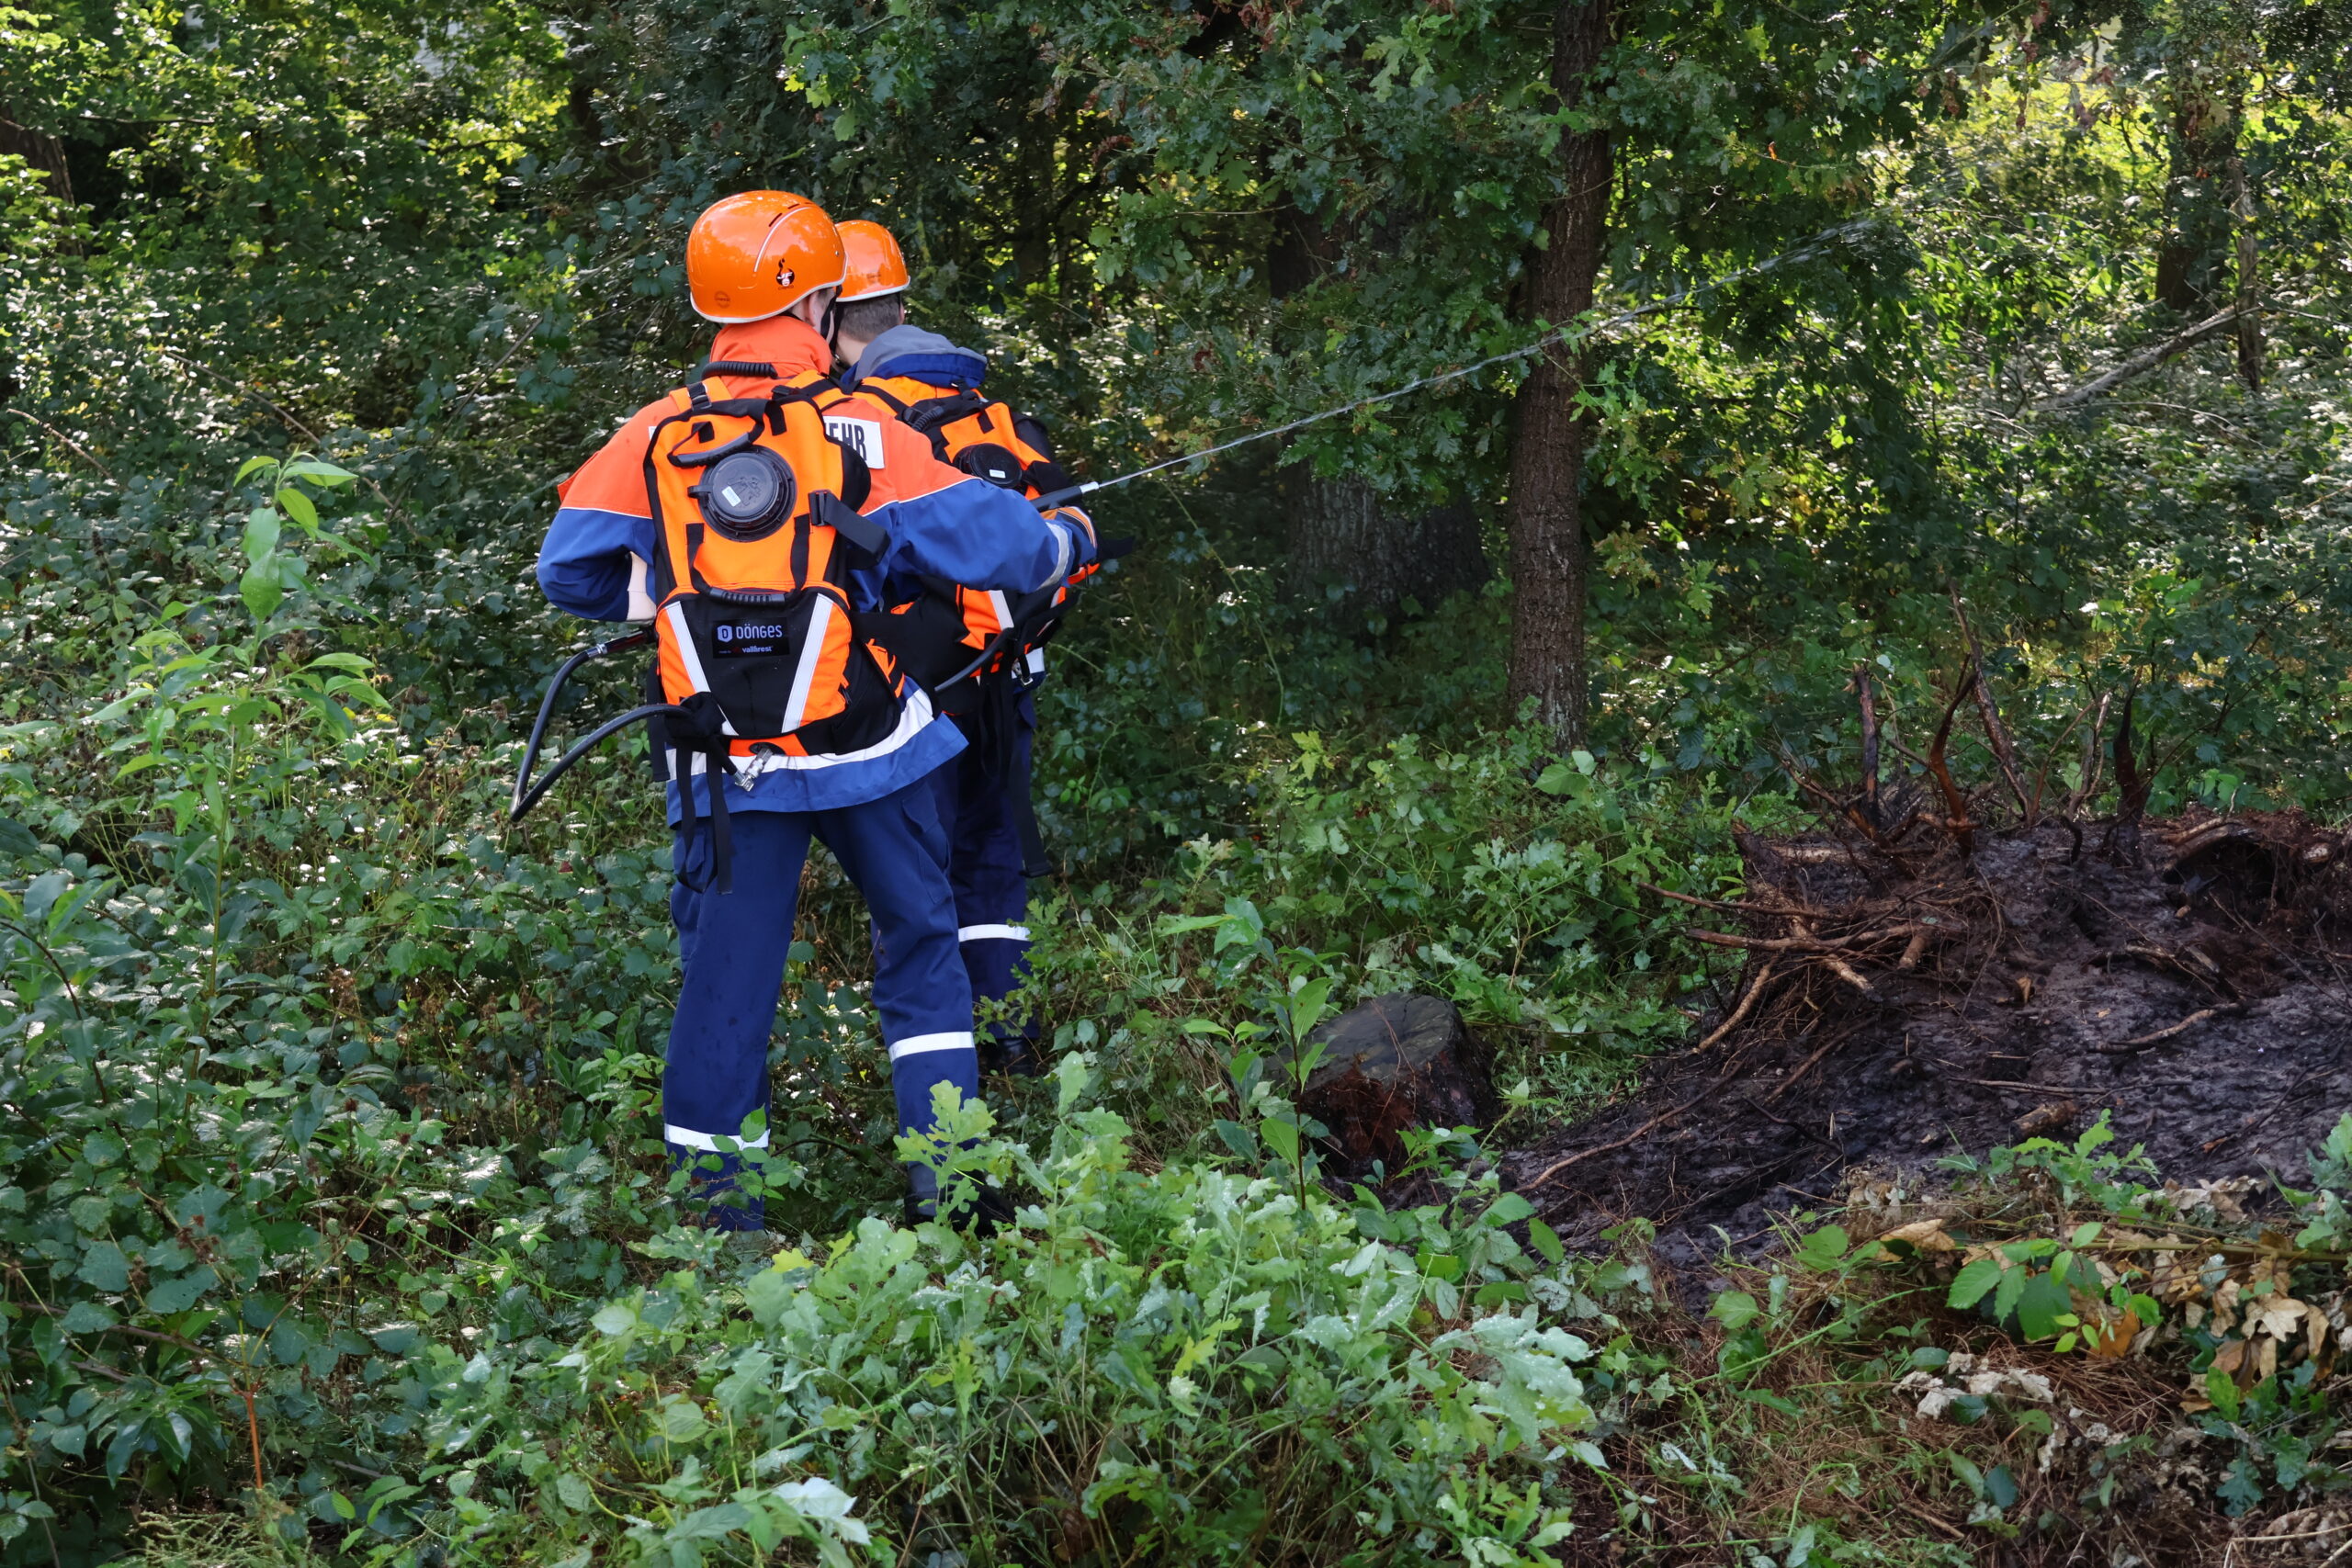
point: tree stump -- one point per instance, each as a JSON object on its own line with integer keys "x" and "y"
{"x": 1392, "y": 1063}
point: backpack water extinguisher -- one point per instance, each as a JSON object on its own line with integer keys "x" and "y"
{"x": 758, "y": 648}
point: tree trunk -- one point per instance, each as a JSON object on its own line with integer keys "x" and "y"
{"x": 2249, "y": 279}
{"x": 1344, "y": 533}
{"x": 1548, "y": 546}
{"x": 43, "y": 152}
{"x": 1035, "y": 210}
{"x": 2201, "y": 142}
{"x": 1341, "y": 531}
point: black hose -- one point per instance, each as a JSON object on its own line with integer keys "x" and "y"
{"x": 996, "y": 645}
{"x": 525, "y": 796}
{"x": 526, "y": 799}
{"x": 1057, "y": 498}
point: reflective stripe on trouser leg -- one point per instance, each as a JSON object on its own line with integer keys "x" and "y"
{"x": 984, "y": 864}
{"x": 731, "y": 954}
{"x": 892, "y": 850}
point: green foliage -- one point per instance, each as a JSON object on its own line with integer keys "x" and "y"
{"x": 1186, "y": 1362}
{"x": 326, "y": 1112}
{"x": 1484, "y": 874}
{"x": 310, "y": 1086}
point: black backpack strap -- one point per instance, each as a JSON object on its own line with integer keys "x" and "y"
{"x": 697, "y": 728}
{"x": 1031, "y": 429}
{"x": 868, "y": 537}
{"x": 879, "y": 396}
{"x": 819, "y": 393}
{"x": 932, "y": 412}
{"x": 1035, "y": 861}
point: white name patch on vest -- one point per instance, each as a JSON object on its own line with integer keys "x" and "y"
{"x": 863, "y": 437}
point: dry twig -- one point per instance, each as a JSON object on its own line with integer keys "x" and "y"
{"x": 1635, "y": 1137}
{"x": 2144, "y": 360}
{"x": 1989, "y": 711}
{"x": 2127, "y": 1047}
{"x": 1798, "y": 943}
{"x": 1806, "y": 1067}
{"x": 1746, "y": 1004}
{"x": 1963, "y": 831}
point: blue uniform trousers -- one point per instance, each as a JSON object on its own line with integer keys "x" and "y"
{"x": 733, "y": 949}
{"x": 984, "y": 868}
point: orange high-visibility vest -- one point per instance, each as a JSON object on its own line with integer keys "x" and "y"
{"x": 755, "y": 523}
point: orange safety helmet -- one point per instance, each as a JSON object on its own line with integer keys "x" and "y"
{"x": 875, "y": 267}
{"x": 760, "y": 254}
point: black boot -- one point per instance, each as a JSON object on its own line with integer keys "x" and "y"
{"x": 979, "y": 1209}
{"x": 1017, "y": 1055}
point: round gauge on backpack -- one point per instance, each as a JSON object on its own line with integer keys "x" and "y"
{"x": 747, "y": 495}
{"x": 986, "y": 459}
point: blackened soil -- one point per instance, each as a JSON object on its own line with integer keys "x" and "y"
{"x": 2035, "y": 954}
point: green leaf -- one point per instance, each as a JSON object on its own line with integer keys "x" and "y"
{"x": 2010, "y": 1291}
{"x": 1823, "y": 1248}
{"x": 299, "y": 507}
{"x": 86, "y": 1318}
{"x": 318, "y": 471}
{"x": 180, "y": 1293}
{"x": 1558, "y": 778}
{"x": 1307, "y": 1005}
{"x": 1179, "y": 925}
{"x": 1547, "y": 1242}
{"x": 1281, "y": 1136}
{"x": 681, "y": 1422}
{"x": 2224, "y": 1393}
{"x": 16, "y": 839}
{"x": 253, "y": 466}
{"x": 104, "y": 1265}
{"x": 1969, "y": 1286}
{"x": 1509, "y": 1210}
{"x": 1735, "y": 1310}
{"x": 768, "y": 1293}
{"x": 261, "y": 589}
{"x": 262, "y": 529}
{"x": 2042, "y": 1301}
{"x": 353, "y": 662}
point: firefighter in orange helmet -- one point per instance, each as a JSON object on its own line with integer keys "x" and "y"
{"x": 981, "y": 650}
{"x": 764, "y": 522}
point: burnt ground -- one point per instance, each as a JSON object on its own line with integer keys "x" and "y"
{"x": 1899, "y": 1004}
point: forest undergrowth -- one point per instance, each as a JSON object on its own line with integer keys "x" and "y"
{"x": 338, "y": 1216}
{"x": 336, "y": 1226}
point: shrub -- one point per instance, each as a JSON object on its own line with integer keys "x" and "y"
{"x": 1185, "y": 1364}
